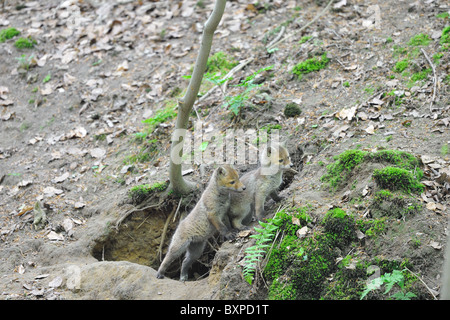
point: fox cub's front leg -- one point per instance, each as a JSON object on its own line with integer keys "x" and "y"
{"x": 219, "y": 225}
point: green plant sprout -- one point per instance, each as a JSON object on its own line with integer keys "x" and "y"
{"x": 235, "y": 103}
{"x": 255, "y": 253}
{"x": 389, "y": 280}
{"x": 25, "y": 61}
{"x": 47, "y": 78}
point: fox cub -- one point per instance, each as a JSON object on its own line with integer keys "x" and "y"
{"x": 260, "y": 183}
{"x": 204, "y": 220}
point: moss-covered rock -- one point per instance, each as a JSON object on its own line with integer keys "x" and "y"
{"x": 298, "y": 268}
{"x": 405, "y": 176}
{"x": 340, "y": 227}
{"x": 393, "y": 178}
{"x": 292, "y": 110}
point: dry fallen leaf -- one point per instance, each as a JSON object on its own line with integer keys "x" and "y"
{"x": 244, "y": 233}
{"x": 98, "y": 153}
{"x": 370, "y": 129}
{"x": 55, "y": 236}
{"x": 347, "y": 113}
{"x": 50, "y": 191}
{"x": 61, "y": 178}
{"x": 47, "y": 90}
{"x": 435, "y": 245}
{"x": 79, "y": 205}
{"x": 55, "y": 283}
{"x": 301, "y": 233}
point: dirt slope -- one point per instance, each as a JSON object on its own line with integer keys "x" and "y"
{"x": 70, "y": 107}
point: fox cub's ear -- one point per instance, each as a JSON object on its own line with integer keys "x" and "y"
{"x": 222, "y": 171}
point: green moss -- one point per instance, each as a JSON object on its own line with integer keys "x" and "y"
{"x": 421, "y": 75}
{"x": 311, "y": 65}
{"x": 298, "y": 268}
{"x": 281, "y": 289}
{"x": 372, "y": 228}
{"x": 340, "y": 227}
{"x": 292, "y": 110}
{"x": 8, "y": 33}
{"x": 270, "y": 127}
{"x": 346, "y": 283}
{"x": 220, "y": 62}
{"x": 345, "y": 163}
{"x": 445, "y": 38}
{"x": 420, "y": 40}
{"x": 140, "y": 192}
{"x": 25, "y": 43}
{"x": 394, "y": 178}
{"x": 339, "y": 171}
{"x": 397, "y": 158}
{"x": 401, "y": 65}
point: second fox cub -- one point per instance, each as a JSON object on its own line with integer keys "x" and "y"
{"x": 260, "y": 183}
{"x": 204, "y": 220}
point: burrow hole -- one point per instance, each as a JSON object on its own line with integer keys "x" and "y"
{"x": 138, "y": 240}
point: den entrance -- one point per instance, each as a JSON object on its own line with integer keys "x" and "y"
{"x": 144, "y": 237}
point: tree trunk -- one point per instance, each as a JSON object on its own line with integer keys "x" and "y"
{"x": 177, "y": 183}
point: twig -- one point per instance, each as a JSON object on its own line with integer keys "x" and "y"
{"x": 434, "y": 78}
{"x": 126, "y": 214}
{"x": 240, "y": 66}
{"x": 429, "y": 290}
{"x": 272, "y": 45}
{"x": 278, "y": 37}
{"x": 178, "y": 208}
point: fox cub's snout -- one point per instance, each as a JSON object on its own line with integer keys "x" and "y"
{"x": 228, "y": 178}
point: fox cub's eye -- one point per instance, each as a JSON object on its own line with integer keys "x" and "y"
{"x": 281, "y": 160}
{"x": 231, "y": 182}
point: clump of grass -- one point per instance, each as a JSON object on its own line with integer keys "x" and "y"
{"x": 311, "y": 65}
{"x": 443, "y": 15}
{"x": 25, "y": 43}
{"x": 8, "y": 33}
{"x": 304, "y": 39}
{"x": 162, "y": 115}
